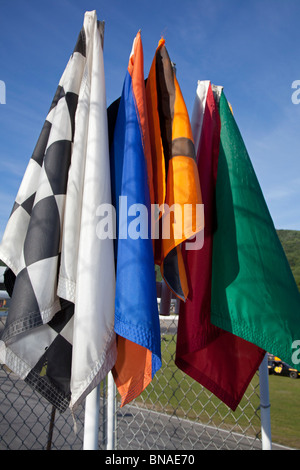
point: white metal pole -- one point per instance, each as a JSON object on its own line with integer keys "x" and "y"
{"x": 91, "y": 420}
{"x": 111, "y": 412}
{"x": 104, "y": 412}
{"x": 265, "y": 405}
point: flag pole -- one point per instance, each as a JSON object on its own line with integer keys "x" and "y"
{"x": 111, "y": 405}
{"x": 91, "y": 420}
{"x": 265, "y": 405}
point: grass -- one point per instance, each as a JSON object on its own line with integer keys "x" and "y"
{"x": 285, "y": 410}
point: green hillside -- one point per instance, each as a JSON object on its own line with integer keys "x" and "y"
{"x": 290, "y": 240}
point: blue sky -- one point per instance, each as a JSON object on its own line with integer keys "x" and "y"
{"x": 251, "y": 48}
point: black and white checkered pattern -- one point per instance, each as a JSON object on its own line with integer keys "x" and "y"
{"x": 33, "y": 236}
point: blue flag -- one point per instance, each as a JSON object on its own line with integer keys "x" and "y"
{"x": 136, "y": 312}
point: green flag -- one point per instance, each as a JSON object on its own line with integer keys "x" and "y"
{"x": 254, "y": 294}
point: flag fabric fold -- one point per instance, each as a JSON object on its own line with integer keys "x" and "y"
{"x": 176, "y": 186}
{"x": 220, "y": 361}
{"x": 254, "y": 294}
{"x": 136, "y": 312}
{"x": 59, "y": 333}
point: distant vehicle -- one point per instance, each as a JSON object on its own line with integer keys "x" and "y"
{"x": 278, "y": 367}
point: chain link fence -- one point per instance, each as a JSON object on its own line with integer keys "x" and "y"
{"x": 177, "y": 413}
{"x": 173, "y": 413}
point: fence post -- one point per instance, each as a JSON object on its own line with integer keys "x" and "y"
{"x": 51, "y": 427}
{"x": 265, "y": 405}
{"x": 165, "y": 301}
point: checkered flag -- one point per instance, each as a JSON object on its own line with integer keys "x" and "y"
{"x": 50, "y": 241}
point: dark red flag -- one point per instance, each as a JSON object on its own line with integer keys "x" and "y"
{"x": 220, "y": 361}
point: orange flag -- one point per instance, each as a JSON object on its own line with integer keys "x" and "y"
{"x": 176, "y": 186}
